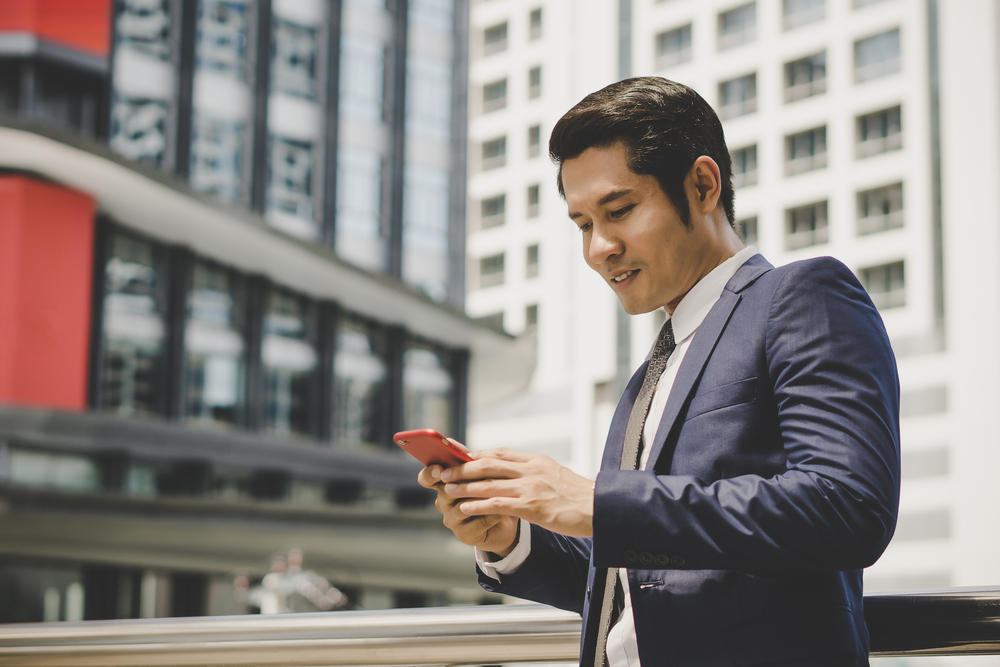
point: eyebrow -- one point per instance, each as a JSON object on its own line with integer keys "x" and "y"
{"x": 606, "y": 199}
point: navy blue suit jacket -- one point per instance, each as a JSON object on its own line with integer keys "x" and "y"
{"x": 773, "y": 479}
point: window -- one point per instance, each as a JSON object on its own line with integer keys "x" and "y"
{"x": 491, "y": 271}
{"x": 879, "y": 132}
{"x": 805, "y": 151}
{"x": 534, "y": 82}
{"x": 133, "y": 368}
{"x": 493, "y": 211}
{"x": 806, "y": 226}
{"x": 531, "y": 315}
{"x": 802, "y": 12}
{"x": 747, "y": 228}
{"x": 494, "y": 153}
{"x": 68, "y": 472}
{"x": 495, "y": 39}
{"x": 425, "y": 229}
{"x": 673, "y": 46}
{"x": 495, "y": 96}
{"x": 805, "y": 77}
{"x": 427, "y": 389}
{"x": 745, "y": 166}
{"x": 880, "y": 209}
{"x": 531, "y": 261}
{"x": 437, "y": 15}
{"x": 290, "y": 361}
{"x": 493, "y": 321}
{"x": 362, "y": 77}
{"x": 214, "y": 346}
{"x": 535, "y": 24}
{"x": 217, "y": 156}
{"x": 359, "y": 237}
{"x": 428, "y": 97}
{"x": 290, "y": 178}
{"x": 886, "y": 285}
{"x": 738, "y": 97}
{"x": 534, "y": 140}
{"x": 876, "y": 56}
{"x": 293, "y": 59}
{"x": 534, "y": 192}
{"x": 737, "y": 26}
{"x": 360, "y": 370}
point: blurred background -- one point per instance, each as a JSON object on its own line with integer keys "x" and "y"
{"x": 242, "y": 242}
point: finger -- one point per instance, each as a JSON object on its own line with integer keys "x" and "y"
{"x": 429, "y": 477}
{"x": 481, "y": 489}
{"x": 503, "y": 454}
{"x": 489, "y": 468}
{"x": 487, "y": 506}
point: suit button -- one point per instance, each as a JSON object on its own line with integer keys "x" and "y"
{"x": 662, "y": 560}
{"x": 631, "y": 556}
{"x": 646, "y": 558}
{"x": 677, "y": 561}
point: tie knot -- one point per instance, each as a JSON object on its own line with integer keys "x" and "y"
{"x": 664, "y": 341}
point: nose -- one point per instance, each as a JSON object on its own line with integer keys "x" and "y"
{"x": 604, "y": 246}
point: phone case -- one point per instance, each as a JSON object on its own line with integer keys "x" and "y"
{"x": 431, "y": 448}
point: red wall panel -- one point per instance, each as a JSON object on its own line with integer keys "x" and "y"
{"x": 46, "y": 271}
{"x": 81, "y": 24}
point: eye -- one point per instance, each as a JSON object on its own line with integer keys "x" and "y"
{"x": 620, "y": 212}
{"x": 585, "y": 227}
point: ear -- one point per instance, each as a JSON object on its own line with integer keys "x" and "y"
{"x": 704, "y": 184}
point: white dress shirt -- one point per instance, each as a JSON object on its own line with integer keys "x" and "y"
{"x": 622, "y": 649}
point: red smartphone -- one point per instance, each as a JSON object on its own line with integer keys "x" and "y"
{"x": 431, "y": 448}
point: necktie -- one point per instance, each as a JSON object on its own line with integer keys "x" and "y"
{"x": 630, "y": 461}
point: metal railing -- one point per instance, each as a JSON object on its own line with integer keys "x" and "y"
{"x": 952, "y": 622}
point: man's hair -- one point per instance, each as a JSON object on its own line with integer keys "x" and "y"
{"x": 665, "y": 126}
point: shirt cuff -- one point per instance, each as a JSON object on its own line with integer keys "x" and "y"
{"x": 513, "y": 561}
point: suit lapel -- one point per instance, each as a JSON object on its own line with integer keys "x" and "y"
{"x": 704, "y": 342}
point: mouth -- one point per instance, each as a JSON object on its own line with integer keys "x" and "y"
{"x": 623, "y": 280}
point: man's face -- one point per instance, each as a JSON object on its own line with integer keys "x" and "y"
{"x": 632, "y": 235}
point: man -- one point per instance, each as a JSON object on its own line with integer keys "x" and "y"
{"x": 752, "y": 466}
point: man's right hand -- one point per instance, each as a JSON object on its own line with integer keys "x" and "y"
{"x": 495, "y": 533}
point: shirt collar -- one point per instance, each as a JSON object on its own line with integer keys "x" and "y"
{"x": 694, "y": 307}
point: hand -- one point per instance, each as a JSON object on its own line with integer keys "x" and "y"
{"x": 527, "y": 486}
{"x": 493, "y": 533}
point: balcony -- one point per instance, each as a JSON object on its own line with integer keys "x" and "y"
{"x": 954, "y": 622}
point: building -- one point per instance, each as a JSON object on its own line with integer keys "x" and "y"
{"x": 857, "y": 128}
{"x": 231, "y": 266}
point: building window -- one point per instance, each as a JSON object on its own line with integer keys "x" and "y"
{"x": 535, "y": 24}
{"x": 294, "y": 58}
{"x": 438, "y": 15}
{"x": 880, "y": 209}
{"x": 359, "y": 237}
{"x": 805, "y": 77}
{"x": 362, "y": 77}
{"x": 738, "y": 97}
{"x": 534, "y": 194}
{"x": 531, "y": 315}
{"x": 805, "y": 151}
{"x": 425, "y": 229}
{"x": 495, "y": 96}
{"x": 491, "y": 271}
{"x": 802, "y": 12}
{"x": 673, "y": 47}
{"x": 745, "y": 167}
{"x": 427, "y": 389}
{"x": 534, "y": 140}
{"x": 495, "y": 39}
{"x": 747, "y": 228}
{"x": 493, "y": 212}
{"x": 214, "y": 346}
{"x": 428, "y": 97}
{"x": 738, "y": 26}
{"x": 360, "y": 370}
{"x": 806, "y": 226}
{"x": 876, "y": 56}
{"x": 493, "y": 321}
{"x": 290, "y": 361}
{"x": 494, "y": 153}
{"x": 879, "y": 132}
{"x": 531, "y": 261}
{"x": 886, "y": 284}
{"x": 535, "y": 82}
{"x": 290, "y": 180}
{"x": 134, "y": 359}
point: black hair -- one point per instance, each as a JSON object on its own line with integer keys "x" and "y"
{"x": 665, "y": 126}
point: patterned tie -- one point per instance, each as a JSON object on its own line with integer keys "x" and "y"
{"x": 630, "y": 461}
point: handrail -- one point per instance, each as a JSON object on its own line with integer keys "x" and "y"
{"x": 951, "y": 622}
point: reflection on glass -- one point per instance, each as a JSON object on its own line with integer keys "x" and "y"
{"x": 428, "y": 97}
{"x": 359, "y": 195}
{"x": 362, "y": 77}
{"x": 427, "y": 389}
{"x": 360, "y": 370}
{"x": 425, "y": 230}
{"x": 134, "y": 329}
{"x": 290, "y": 363}
{"x": 213, "y": 345}
{"x": 221, "y": 97}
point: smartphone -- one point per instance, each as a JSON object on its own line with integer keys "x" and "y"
{"x": 431, "y": 448}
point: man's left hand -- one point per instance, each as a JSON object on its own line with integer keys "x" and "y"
{"x": 529, "y": 486}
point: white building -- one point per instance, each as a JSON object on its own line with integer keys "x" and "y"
{"x": 862, "y": 129}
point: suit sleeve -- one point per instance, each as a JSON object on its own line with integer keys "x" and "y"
{"x": 555, "y": 572}
{"x": 834, "y": 506}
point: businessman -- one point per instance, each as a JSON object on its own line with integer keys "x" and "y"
{"x": 752, "y": 466}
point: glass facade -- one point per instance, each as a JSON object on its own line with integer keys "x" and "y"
{"x": 427, "y": 388}
{"x": 361, "y": 374}
{"x": 290, "y": 362}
